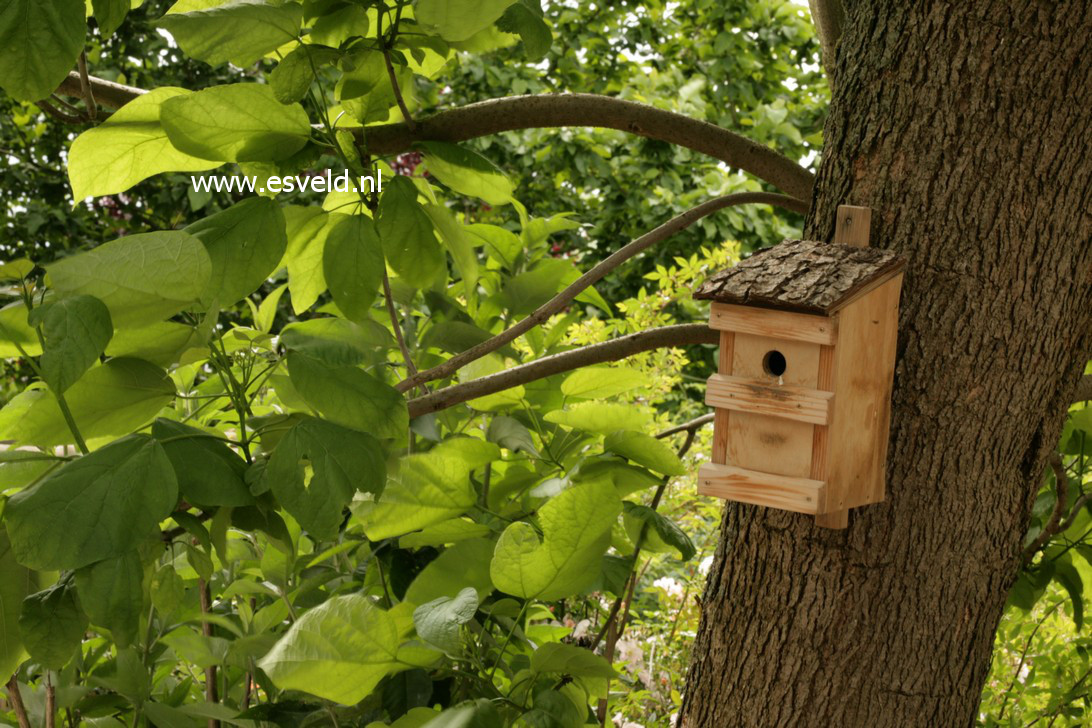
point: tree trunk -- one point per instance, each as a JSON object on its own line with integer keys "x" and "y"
{"x": 965, "y": 126}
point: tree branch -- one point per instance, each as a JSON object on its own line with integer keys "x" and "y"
{"x": 1062, "y": 497}
{"x": 1084, "y": 389}
{"x": 620, "y": 348}
{"x": 553, "y": 110}
{"x": 17, "y": 705}
{"x": 828, "y": 16}
{"x": 694, "y": 424}
{"x": 570, "y": 292}
{"x": 107, "y": 93}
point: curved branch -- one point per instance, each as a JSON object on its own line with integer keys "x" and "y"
{"x": 570, "y": 292}
{"x": 552, "y": 110}
{"x": 692, "y": 426}
{"x": 828, "y": 16}
{"x": 558, "y": 110}
{"x": 1084, "y": 389}
{"x": 620, "y": 348}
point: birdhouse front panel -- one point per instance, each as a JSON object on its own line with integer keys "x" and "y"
{"x": 802, "y": 391}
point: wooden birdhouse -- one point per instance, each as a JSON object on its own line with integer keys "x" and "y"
{"x": 802, "y": 395}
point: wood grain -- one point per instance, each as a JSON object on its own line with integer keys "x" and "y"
{"x": 757, "y": 396}
{"x": 775, "y": 324}
{"x": 764, "y": 489}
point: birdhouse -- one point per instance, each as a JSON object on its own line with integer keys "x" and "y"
{"x": 802, "y": 394}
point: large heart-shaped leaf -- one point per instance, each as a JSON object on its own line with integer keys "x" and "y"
{"x": 141, "y": 278}
{"x": 97, "y": 507}
{"x": 576, "y": 529}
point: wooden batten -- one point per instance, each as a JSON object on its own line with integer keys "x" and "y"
{"x": 772, "y": 323}
{"x": 864, "y": 363}
{"x": 764, "y": 489}
{"x": 760, "y": 397}
{"x": 720, "y": 416}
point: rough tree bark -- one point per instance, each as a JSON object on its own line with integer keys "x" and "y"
{"x": 965, "y": 126}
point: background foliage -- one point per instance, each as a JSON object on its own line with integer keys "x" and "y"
{"x": 258, "y": 533}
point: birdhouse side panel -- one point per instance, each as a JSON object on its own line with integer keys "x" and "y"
{"x": 770, "y": 444}
{"x": 864, "y": 360}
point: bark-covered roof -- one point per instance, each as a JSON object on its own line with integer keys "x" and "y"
{"x": 802, "y": 275}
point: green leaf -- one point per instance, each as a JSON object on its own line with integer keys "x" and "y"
{"x": 601, "y": 417}
{"x": 525, "y": 292}
{"x": 307, "y": 228}
{"x": 532, "y": 29}
{"x": 556, "y": 658}
{"x": 112, "y": 596}
{"x": 409, "y": 240}
{"x": 575, "y": 532}
{"x": 661, "y": 535}
{"x": 293, "y": 76}
{"x": 109, "y": 401}
{"x": 141, "y": 278}
{"x": 16, "y": 582}
{"x": 458, "y": 244}
{"x": 590, "y": 670}
{"x": 335, "y": 341}
{"x": 239, "y": 32}
{"x": 16, "y": 270}
{"x": 350, "y": 396}
{"x": 103, "y": 505}
{"x": 52, "y": 625}
{"x": 645, "y": 450}
{"x": 109, "y": 14}
{"x": 161, "y": 343}
{"x": 341, "y": 462}
{"x": 510, "y": 434}
{"x": 339, "y": 651}
{"x": 1066, "y": 574}
{"x": 428, "y": 488}
{"x": 438, "y": 622}
{"x": 457, "y": 20}
{"x": 127, "y": 148}
{"x": 467, "y": 172}
{"x": 336, "y": 27}
{"x": 245, "y": 243}
{"x": 76, "y": 331}
{"x": 207, "y": 471}
{"x": 602, "y": 382}
{"x": 352, "y": 263}
{"x": 39, "y": 42}
{"x": 464, "y": 564}
{"x": 21, "y": 467}
{"x": 238, "y": 122}
{"x": 14, "y": 329}
{"x": 444, "y": 533}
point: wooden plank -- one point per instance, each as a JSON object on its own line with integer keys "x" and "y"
{"x": 770, "y": 444}
{"x": 721, "y": 421}
{"x": 764, "y": 489}
{"x": 758, "y": 396}
{"x": 863, "y": 370}
{"x": 772, "y": 323}
{"x": 801, "y": 359}
{"x": 820, "y": 442}
{"x": 852, "y": 225}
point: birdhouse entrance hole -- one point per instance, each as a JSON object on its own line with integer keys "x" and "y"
{"x": 774, "y": 363}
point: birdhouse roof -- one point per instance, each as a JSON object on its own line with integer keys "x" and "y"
{"x": 805, "y": 276}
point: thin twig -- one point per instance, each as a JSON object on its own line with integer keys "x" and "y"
{"x": 694, "y": 424}
{"x": 613, "y": 350}
{"x": 565, "y": 297}
{"x": 50, "y": 702}
{"x": 1023, "y": 658}
{"x": 56, "y": 113}
{"x": 211, "y": 693}
{"x": 17, "y": 704}
{"x": 410, "y": 368}
{"x": 85, "y": 87}
{"x": 384, "y": 48}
